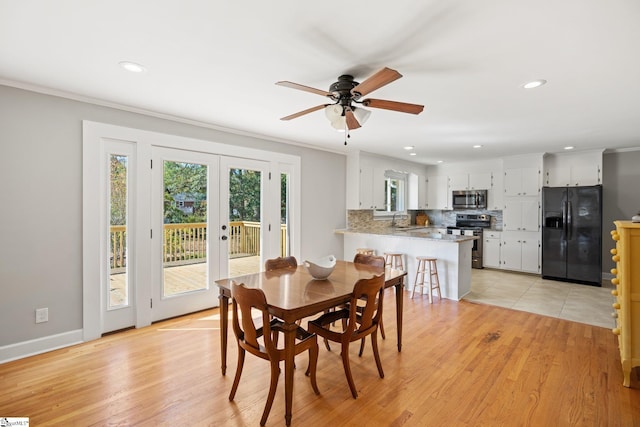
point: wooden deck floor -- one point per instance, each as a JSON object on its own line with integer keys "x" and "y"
{"x": 184, "y": 278}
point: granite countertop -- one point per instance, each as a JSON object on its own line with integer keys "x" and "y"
{"x": 419, "y": 232}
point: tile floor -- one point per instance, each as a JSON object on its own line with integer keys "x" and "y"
{"x": 531, "y": 293}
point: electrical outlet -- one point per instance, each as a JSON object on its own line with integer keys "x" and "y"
{"x": 42, "y": 315}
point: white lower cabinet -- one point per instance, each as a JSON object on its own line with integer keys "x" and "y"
{"x": 520, "y": 251}
{"x": 491, "y": 249}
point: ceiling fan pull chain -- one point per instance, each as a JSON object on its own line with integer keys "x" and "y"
{"x": 346, "y": 133}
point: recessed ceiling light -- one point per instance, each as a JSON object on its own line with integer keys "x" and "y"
{"x": 413, "y": 154}
{"x": 440, "y": 161}
{"x": 132, "y": 66}
{"x": 409, "y": 147}
{"x": 477, "y": 146}
{"x": 569, "y": 147}
{"x": 534, "y": 84}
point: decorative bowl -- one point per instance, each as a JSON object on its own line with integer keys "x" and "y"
{"x": 321, "y": 268}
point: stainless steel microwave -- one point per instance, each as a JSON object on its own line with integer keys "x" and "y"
{"x": 469, "y": 199}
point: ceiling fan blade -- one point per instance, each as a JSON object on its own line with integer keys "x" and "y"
{"x": 402, "y": 107}
{"x": 307, "y": 111}
{"x": 376, "y": 81}
{"x": 304, "y": 88}
{"x": 352, "y": 122}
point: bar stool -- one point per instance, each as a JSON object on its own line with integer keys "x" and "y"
{"x": 365, "y": 251}
{"x": 393, "y": 260}
{"x": 425, "y": 263}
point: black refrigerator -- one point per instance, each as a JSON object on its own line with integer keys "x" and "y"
{"x": 572, "y": 234}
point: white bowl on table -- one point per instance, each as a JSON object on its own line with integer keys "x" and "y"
{"x": 321, "y": 268}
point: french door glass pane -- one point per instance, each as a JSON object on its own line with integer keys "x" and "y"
{"x": 118, "y": 283}
{"x": 245, "y": 197}
{"x": 185, "y": 228}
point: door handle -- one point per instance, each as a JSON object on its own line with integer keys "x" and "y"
{"x": 224, "y": 237}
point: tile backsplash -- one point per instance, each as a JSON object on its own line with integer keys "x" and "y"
{"x": 363, "y": 219}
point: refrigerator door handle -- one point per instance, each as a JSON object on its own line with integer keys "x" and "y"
{"x": 564, "y": 220}
{"x": 569, "y": 221}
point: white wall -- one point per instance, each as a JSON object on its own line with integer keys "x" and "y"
{"x": 41, "y": 218}
{"x": 620, "y": 195}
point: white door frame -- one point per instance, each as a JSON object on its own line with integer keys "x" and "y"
{"x": 94, "y": 136}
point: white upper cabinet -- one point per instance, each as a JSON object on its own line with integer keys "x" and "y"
{"x": 471, "y": 181}
{"x": 496, "y": 191}
{"x": 438, "y": 192}
{"x": 417, "y": 192}
{"x": 521, "y": 215}
{"x": 459, "y": 182}
{"x": 521, "y": 182}
{"x": 562, "y": 170}
{"x": 372, "y": 182}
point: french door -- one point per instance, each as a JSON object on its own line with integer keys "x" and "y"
{"x": 184, "y": 237}
{"x": 165, "y": 216}
{"x": 245, "y": 236}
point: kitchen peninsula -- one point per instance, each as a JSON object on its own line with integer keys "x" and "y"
{"x": 453, "y": 253}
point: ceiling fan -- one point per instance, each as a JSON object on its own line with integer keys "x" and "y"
{"x": 346, "y": 113}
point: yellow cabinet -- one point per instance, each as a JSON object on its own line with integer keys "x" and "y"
{"x": 627, "y": 292}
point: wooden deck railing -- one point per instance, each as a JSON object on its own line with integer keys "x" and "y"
{"x": 186, "y": 243}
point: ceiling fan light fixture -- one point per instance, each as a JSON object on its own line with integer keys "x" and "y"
{"x": 333, "y": 112}
{"x": 361, "y": 114}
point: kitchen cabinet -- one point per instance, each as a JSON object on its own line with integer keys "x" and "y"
{"x": 495, "y": 194}
{"x": 491, "y": 249}
{"x": 573, "y": 169}
{"x": 627, "y": 293}
{"x": 438, "y": 194}
{"x": 521, "y": 215}
{"x": 574, "y": 175}
{"x": 521, "y": 182}
{"x": 372, "y": 183}
{"x": 519, "y": 251}
{"x": 471, "y": 181}
{"x": 417, "y": 192}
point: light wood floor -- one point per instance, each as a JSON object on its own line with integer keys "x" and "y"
{"x": 462, "y": 364}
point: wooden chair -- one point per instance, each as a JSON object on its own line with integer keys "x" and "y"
{"x": 372, "y": 260}
{"x": 358, "y": 325}
{"x": 286, "y": 263}
{"x": 375, "y": 261}
{"x": 258, "y": 340}
{"x": 289, "y": 262}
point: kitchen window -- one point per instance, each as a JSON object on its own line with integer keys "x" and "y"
{"x": 395, "y": 194}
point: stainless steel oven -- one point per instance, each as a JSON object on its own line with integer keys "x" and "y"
{"x": 476, "y": 250}
{"x": 472, "y": 225}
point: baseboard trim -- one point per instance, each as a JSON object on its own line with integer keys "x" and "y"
{"x": 40, "y": 345}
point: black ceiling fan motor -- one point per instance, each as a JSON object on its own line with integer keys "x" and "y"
{"x": 342, "y": 88}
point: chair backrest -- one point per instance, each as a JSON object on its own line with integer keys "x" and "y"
{"x": 244, "y": 326}
{"x": 375, "y": 261}
{"x": 369, "y": 292}
{"x": 289, "y": 262}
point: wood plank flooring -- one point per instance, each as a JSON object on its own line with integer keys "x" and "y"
{"x": 462, "y": 364}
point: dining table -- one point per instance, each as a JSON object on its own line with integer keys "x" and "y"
{"x": 293, "y": 294}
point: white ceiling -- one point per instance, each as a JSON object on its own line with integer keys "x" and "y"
{"x": 217, "y": 61}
